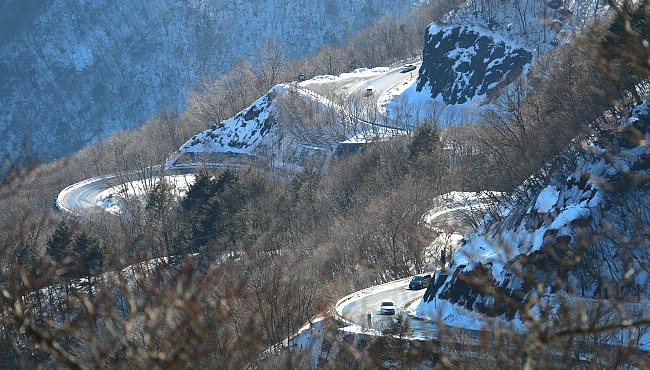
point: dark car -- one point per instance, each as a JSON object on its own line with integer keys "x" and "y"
{"x": 420, "y": 281}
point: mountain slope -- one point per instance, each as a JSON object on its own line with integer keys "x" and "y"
{"x": 483, "y": 45}
{"x": 584, "y": 233}
{"x": 72, "y": 72}
{"x": 290, "y": 126}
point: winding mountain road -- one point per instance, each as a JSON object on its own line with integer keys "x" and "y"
{"x": 387, "y": 81}
{"x": 80, "y": 199}
{"x": 362, "y": 308}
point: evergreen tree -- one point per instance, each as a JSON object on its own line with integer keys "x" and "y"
{"x": 159, "y": 199}
{"x": 234, "y": 220}
{"x": 159, "y": 207}
{"x": 197, "y": 203}
{"x": 214, "y": 207}
{"x": 200, "y": 191}
{"x": 91, "y": 257}
{"x": 58, "y": 247}
{"x": 394, "y": 343}
{"x": 425, "y": 141}
{"x": 227, "y": 178}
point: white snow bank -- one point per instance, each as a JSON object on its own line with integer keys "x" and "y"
{"x": 112, "y": 198}
{"x": 547, "y": 200}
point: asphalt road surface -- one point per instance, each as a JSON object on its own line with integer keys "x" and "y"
{"x": 387, "y": 81}
{"x": 357, "y": 309}
{"x": 80, "y": 198}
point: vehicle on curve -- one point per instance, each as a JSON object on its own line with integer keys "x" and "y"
{"x": 420, "y": 281}
{"x": 370, "y": 90}
{"x": 387, "y": 308}
{"x": 408, "y": 68}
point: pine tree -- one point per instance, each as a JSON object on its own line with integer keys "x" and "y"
{"x": 200, "y": 192}
{"x": 90, "y": 251}
{"x": 159, "y": 199}
{"x": 227, "y": 178}
{"x": 394, "y": 342}
{"x": 89, "y": 257}
{"x": 58, "y": 247}
{"x": 425, "y": 141}
{"x": 159, "y": 207}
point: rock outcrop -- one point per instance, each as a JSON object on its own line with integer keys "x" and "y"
{"x": 581, "y": 233}
{"x": 462, "y": 63}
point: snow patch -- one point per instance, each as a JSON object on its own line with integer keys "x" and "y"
{"x": 547, "y": 200}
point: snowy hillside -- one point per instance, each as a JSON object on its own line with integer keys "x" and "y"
{"x": 466, "y": 61}
{"x": 238, "y": 137}
{"x": 581, "y": 229}
{"x": 483, "y": 45}
{"x": 536, "y": 24}
{"x": 288, "y": 127}
{"x": 74, "y": 71}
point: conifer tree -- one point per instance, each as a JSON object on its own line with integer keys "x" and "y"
{"x": 200, "y": 192}
{"x": 90, "y": 251}
{"x": 59, "y": 244}
{"x": 159, "y": 207}
{"x": 425, "y": 141}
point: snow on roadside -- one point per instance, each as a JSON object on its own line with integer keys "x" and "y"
{"x": 112, "y": 198}
{"x": 357, "y": 73}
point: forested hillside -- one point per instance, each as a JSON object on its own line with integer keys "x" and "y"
{"x": 73, "y": 72}
{"x": 221, "y": 276}
{"x": 243, "y": 294}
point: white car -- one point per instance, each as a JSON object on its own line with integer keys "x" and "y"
{"x": 408, "y": 68}
{"x": 370, "y": 90}
{"x": 387, "y": 308}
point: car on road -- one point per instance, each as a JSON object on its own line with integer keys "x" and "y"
{"x": 420, "y": 281}
{"x": 370, "y": 90}
{"x": 408, "y": 68}
{"x": 387, "y": 308}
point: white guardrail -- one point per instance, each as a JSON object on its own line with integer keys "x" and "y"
{"x": 338, "y": 316}
{"x": 60, "y": 203}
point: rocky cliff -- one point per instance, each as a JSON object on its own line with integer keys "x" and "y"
{"x": 582, "y": 233}
{"x": 462, "y": 63}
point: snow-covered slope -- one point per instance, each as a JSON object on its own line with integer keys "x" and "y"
{"x": 288, "y": 127}
{"x": 239, "y": 136}
{"x": 484, "y": 45}
{"x": 463, "y": 65}
{"x": 584, "y": 232}
{"x": 74, "y": 71}
{"x": 538, "y": 25}
{"x": 257, "y": 136}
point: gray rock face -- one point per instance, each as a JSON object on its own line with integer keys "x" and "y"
{"x": 461, "y": 63}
